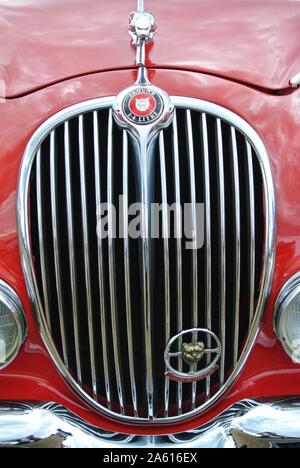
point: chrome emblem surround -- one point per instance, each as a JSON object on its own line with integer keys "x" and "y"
{"x": 144, "y": 126}
{"x": 142, "y": 106}
{"x": 192, "y": 354}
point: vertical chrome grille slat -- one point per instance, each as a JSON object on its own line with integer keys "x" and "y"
{"x": 178, "y": 248}
{"x": 56, "y": 245}
{"x": 114, "y": 303}
{"x": 44, "y": 270}
{"x": 112, "y": 265}
{"x": 146, "y": 277}
{"x": 165, "y": 229}
{"x": 208, "y": 278}
{"x": 103, "y": 316}
{"x": 192, "y": 181}
{"x": 222, "y": 251}
{"x": 237, "y": 209}
{"x": 252, "y": 252}
{"x": 86, "y": 248}
{"x": 127, "y": 276}
{"x": 72, "y": 255}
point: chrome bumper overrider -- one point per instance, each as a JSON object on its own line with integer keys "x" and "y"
{"x": 246, "y": 424}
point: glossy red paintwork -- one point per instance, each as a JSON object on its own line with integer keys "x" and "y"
{"x": 269, "y": 372}
{"x": 42, "y": 42}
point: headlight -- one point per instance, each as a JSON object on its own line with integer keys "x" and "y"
{"x": 13, "y": 326}
{"x": 287, "y": 318}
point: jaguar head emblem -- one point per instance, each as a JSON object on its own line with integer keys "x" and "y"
{"x": 192, "y": 353}
{"x": 142, "y": 104}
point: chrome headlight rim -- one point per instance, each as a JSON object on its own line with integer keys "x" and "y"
{"x": 11, "y": 301}
{"x": 289, "y": 291}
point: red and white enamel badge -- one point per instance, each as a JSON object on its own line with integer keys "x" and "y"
{"x": 142, "y": 105}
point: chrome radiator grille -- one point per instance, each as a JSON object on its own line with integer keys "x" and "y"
{"x": 106, "y": 334}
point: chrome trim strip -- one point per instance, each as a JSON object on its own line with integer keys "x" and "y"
{"x": 208, "y": 277}
{"x": 222, "y": 253}
{"x": 112, "y": 265}
{"x": 178, "y": 248}
{"x": 86, "y": 246}
{"x": 71, "y": 241}
{"x": 143, "y": 163}
{"x": 192, "y": 182}
{"x": 166, "y": 229}
{"x": 44, "y": 272}
{"x": 252, "y": 232}
{"x": 127, "y": 276}
{"x": 100, "y": 261}
{"x": 269, "y": 247}
{"x": 56, "y": 245}
{"x": 247, "y": 424}
{"x": 237, "y": 283}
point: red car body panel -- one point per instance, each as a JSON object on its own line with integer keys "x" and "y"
{"x": 247, "y": 41}
{"x": 268, "y": 372}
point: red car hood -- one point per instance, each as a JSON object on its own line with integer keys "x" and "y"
{"x": 42, "y": 42}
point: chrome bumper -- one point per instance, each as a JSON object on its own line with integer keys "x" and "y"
{"x": 246, "y": 424}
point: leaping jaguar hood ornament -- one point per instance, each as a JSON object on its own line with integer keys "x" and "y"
{"x": 143, "y": 109}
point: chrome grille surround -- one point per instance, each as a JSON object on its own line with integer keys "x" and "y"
{"x": 252, "y": 141}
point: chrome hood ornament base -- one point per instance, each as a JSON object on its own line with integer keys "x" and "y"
{"x": 143, "y": 109}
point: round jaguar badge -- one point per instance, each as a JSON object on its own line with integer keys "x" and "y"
{"x": 204, "y": 343}
{"x": 143, "y": 106}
